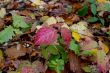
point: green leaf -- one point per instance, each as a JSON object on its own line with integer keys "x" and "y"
{"x": 62, "y": 52}
{"x": 102, "y": 21}
{"x": 109, "y": 16}
{"x": 74, "y": 47}
{"x": 57, "y": 65}
{"x": 93, "y": 9}
{"x": 17, "y": 31}
{"x": 91, "y": 1}
{"x": 18, "y": 21}
{"x": 108, "y": 33}
{"x": 83, "y": 11}
{"x": 92, "y": 19}
{"x": 104, "y": 7}
{"x": 87, "y": 53}
{"x": 52, "y": 49}
{"x": 6, "y": 34}
{"x": 45, "y": 53}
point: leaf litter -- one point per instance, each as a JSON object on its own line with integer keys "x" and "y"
{"x": 54, "y": 36}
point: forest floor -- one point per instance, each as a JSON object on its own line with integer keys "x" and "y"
{"x": 54, "y": 36}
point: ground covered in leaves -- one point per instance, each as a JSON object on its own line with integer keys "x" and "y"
{"x": 54, "y": 36}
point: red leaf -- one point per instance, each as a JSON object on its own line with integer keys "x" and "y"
{"x": 27, "y": 70}
{"x": 66, "y": 35}
{"x": 46, "y": 36}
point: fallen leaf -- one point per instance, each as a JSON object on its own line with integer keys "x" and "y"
{"x": 2, "y": 23}
{"x": 46, "y": 36}
{"x": 88, "y": 44}
{"x": 102, "y": 61}
{"x": 65, "y": 26}
{"x": 6, "y": 34}
{"x": 51, "y": 20}
{"x": 15, "y": 52}
{"x": 39, "y": 67}
{"x": 101, "y": 1}
{"x": 2, "y": 12}
{"x": 74, "y": 63}
{"x": 36, "y": 2}
{"x": 104, "y": 47}
{"x": 66, "y": 35}
{"x": 76, "y": 36}
{"x": 74, "y": 47}
{"x": 1, "y": 54}
{"x": 81, "y": 29}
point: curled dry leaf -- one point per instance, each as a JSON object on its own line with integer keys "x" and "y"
{"x": 46, "y": 36}
{"x": 66, "y": 35}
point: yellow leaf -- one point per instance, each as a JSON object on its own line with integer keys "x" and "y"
{"x": 104, "y": 47}
{"x": 94, "y": 51}
{"x": 101, "y": 1}
{"x": 36, "y": 2}
{"x": 76, "y": 36}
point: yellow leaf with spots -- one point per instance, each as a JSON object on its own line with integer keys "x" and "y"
{"x": 76, "y": 36}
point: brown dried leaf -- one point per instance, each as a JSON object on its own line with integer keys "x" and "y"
{"x": 15, "y": 52}
{"x": 88, "y": 44}
{"x": 1, "y": 23}
{"x": 74, "y": 63}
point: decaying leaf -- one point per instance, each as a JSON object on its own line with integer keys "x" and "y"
{"x": 104, "y": 47}
{"x": 74, "y": 63}
{"x": 102, "y": 61}
{"x": 36, "y": 2}
{"x": 88, "y": 44}
{"x": 45, "y": 36}
{"x": 66, "y": 35}
{"x": 2, "y": 23}
{"x": 35, "y": 67}
{"x": 2, "y": 12}
{"x": 15, "y": 52}
{"x": 81, "y": 29}
{"x": 51, "y": 20}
